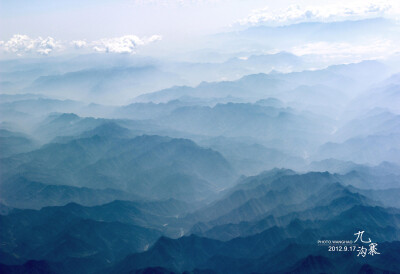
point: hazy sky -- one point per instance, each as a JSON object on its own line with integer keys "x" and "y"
{"x": 97, "y": 22}
{"x": 94, "y": 19}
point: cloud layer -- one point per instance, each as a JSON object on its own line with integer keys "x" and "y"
{"x": 347, "y": 52}
{"x": 23, "y": 44}
{"x": 123, "y": 44}
{"x": 324, "y": 13}
{"x": 78, "y": 44}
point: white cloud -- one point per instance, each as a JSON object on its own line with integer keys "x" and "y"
{"x": 46, "y": 45}
{"x": 374, "y": 49}
{"x": 123, "y": 44}
{"x": 323, "y": 13}
{"x": 21, "y": 44}
{"x": 153, "y": 38}
{"x": 79, "y": 44}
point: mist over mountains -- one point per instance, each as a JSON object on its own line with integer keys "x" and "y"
{"x": 232, "y": 158}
